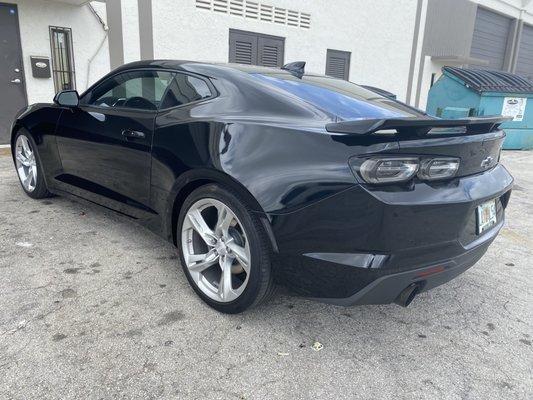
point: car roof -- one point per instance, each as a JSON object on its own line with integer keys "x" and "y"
{"x": 205, "y": 68}
{"x": 187, "y": 65}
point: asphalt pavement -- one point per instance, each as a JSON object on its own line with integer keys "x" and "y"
{"x": 93, "y": 306}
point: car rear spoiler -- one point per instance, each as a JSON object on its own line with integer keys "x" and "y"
{"x": 417, "y": 127}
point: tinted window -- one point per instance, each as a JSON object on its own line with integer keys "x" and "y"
{"x": 185, "y": 89}
{"x": 135, "y": 89}
{"x": 341, "y": 98}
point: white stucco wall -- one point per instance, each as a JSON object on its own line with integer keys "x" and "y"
{"x": 379, "y": 35}
{"x": 130, "y": 30}
{"x": 35, "y": 18}
{"x": 418, "y": 71}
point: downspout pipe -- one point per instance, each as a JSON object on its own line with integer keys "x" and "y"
{"x": 106, "y": 31}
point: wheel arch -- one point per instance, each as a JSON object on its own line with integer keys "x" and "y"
{"x": 20, "y": 126}
{"x": 194, "y": 179}
{"x": 14, "y": 129}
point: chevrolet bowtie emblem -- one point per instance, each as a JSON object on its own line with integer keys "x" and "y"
{"x": 487, "y": 162}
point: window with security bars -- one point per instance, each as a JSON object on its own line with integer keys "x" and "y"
{"x": 62, "y": 58}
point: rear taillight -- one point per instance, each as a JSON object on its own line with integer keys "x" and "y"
{"x": 388, "y": 170}
{"x": 402, "y": 169}
{"x": 438, "y": 168}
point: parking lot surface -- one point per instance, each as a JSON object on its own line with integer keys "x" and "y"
{"x": 92, "y": 306}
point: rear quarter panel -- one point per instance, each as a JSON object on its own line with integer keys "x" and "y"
{"x": 284, "y": 165}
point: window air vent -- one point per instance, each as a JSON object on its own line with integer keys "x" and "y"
{"x": 205, "y": 4}
{"x": 220, "y": 6}
{"x": 243, "y": 52}
{"x": 251, "y": 10}
{"x": 257, "y": 10}
{"x": 266, "y": 13}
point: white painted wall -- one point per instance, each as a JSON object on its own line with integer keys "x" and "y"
{"x": 130, "y": 30}
{"x": 379, "y": 35}
{"x": 35, "y": 17}
{"x": 418, "y": 72}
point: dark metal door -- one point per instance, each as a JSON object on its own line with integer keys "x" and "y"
{"x": 256, "y": 48}
{"x": 12, "y": 89}
{"x": 242, "y": 47}
{"x": 270, "y": 51}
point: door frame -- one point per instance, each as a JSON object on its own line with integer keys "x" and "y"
{"x": 25, "y": 91}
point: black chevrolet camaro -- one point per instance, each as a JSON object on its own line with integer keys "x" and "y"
{"x": 262, "y": 176}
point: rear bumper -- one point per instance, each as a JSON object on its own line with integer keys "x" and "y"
{"x": 365, "y": 245}
{"x": 387, "y": 288}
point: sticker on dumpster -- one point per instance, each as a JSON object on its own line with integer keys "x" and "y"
{"x": 514, "y": 107}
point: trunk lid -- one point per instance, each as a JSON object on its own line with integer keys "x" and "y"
{"x": 477, "y": 142}
{"x": 478, "y": 153}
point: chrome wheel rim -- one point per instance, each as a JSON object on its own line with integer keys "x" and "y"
{"x": 26, "y": 163}
{"x": 216, "y": 250}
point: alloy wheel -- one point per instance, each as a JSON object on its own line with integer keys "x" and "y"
{"x": 26, "y": 163}
{"x": 216, "y": 250}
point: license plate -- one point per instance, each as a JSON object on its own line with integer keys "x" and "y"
{"x": 486, "y": 216}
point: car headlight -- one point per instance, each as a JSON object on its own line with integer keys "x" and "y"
{"x": 386, "y": 170}
{"x": 402, "y": 169}
{"x": 438, "y": 168}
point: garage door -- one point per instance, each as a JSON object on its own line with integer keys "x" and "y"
{"x": 524, "y": 65}
{"x": 489, "y": 42}
{"x": 255, "y": 48}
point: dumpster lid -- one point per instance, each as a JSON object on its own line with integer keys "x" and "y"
{"x": 482, "y": 80}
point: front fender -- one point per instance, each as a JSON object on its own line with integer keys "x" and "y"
{"x": 40, "y": 121}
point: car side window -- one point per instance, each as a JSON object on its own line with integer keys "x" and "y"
{"x": 142, "y": 90}
{"x": 185, "y": 89}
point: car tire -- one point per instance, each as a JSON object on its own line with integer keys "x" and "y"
{"x": 28, "y": 164}
{"x": 245, "y": 234}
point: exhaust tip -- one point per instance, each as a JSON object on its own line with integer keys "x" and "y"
{"x": 407, "y": 295}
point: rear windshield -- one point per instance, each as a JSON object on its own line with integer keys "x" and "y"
{"x": 338, "y": 97}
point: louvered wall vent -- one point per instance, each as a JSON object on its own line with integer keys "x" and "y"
{"x": 258, "y": 11}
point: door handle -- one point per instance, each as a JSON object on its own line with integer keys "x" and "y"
{"x": 128, "y": 133}
{"x": 16, "y": 80}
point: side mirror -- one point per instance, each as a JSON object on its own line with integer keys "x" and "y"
{"x": 67, "y": 98}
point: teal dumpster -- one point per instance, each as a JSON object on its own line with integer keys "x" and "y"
{"x": 464, "y": 92}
